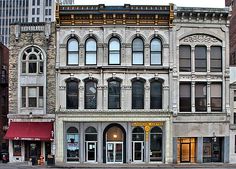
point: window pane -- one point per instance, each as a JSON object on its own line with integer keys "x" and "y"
{"x": 200, "y": 59}
{"x": 137, "y": 95}
{"x": 91, "y": 95}
{"x": 32, "y": 67}
{"x": 114, "y": 95}
{"x": 91, "y": 45}
{"x": 201, "y": 97}
{"x": 114, "y": 51}
{"x": 216, "y": 97}
{"x": 32, "y": 57}
{"x": 114, "y": 44}
{"x": 32, "y": 92}
{"x": 91, "y": 58}
{"x": 185, "y": 58}
{"x": 16, "y": 148}
{"x": 73, "y": 58}
{"x": 72, "y": 95}
{"x": 32, "y": 102}
{"x": 23, "y": 93}
{"x": 41, "y": 67}
{"x": 23, "y": 67}
{"x": 137, "y": 58}
{"x": 156, "y": 45}
{"x": 114, "y": 58}
{"x": 185, "y": 97}
{"x": 73, "y": 45}
{"x": 156, "y": 95}
{"x": 156, "y": 58}
{"x": 138, "y": 45}
{"x": 216, "y": 59}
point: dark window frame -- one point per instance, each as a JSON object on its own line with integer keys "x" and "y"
{"x": 109, "y": 51}
{"x": 94, "y": 52}
{"x": 156, "y": 51}
{"x": 217, "y": 109}
{"x": 86, "y": 81}
{"x": 183, "y": 68}
{"x": 139, "y": 80}
{"x": 72, "y": 80}
{"x": 214, "y": 59}
{"x": 203, "y": 108}
{"x": 200, "y": 59}
{"x": 133, "y": 52}
{"x": 189, "y": 108}
{"x": 119, "y": 95}
{"x": 160, "y": 82}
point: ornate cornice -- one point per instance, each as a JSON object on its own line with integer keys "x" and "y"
{"x": 88, "y": 15}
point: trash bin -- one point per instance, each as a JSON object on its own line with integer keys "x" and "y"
{"x": 50, "y": 160}
{"x": 34, "y": 160}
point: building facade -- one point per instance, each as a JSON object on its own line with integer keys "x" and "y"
{"x": 4, "y": 56}
{"x": 201, "y": 104}
{"x": 12, "y": 11}
{"x": 113, "y": 87}
{"x": 31, "y": 91}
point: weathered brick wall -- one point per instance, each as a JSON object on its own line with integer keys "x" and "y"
{"x": 15, "y": 47}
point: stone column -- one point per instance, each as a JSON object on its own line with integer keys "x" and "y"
{"x": 59, "y": 133}
{"x": 147, "y": 96}
{"x": 147, "y": 59}
{"x": 193, "y": 97}
{"x": 100, "y": 144}
{"x": 175, "y": 150}
{"x": 129, "y": 143}
{"x": 208, "y": 59}
{"x": 165, "y": 99}
{"x": 199, "y": 149}
{"x": 226, "y": 149}
{"x": 193, "y": 59}
{"x": 208, "y": 97}
{"x": 168, "y": 143}
{"x": 81, "y": 143}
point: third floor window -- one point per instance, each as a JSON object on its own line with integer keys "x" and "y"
{"x": 72, "y": 52}
{"x": 91, "y": 52}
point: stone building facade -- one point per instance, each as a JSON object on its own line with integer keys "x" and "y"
{"x": 200, "y": 86}
{"x": 31, "y": 91}
{"x": 113, "y": 84}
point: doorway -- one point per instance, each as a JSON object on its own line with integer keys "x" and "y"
{"x": 185, "y": 152}
{"x": 114, "y": 144}
{"x": 91, "y": 151}
{"x": 32, "y": 150}
{"x": 138, "y": 151}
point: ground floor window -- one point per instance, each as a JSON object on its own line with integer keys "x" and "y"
{"x": 186, "y": 149}
{"x": 91, "y": 144}
{"x": 213, "y": 149}
{"x": 16, "y": 148}
{"x": 156, "y": 144}
{"x": 72, "y": 138}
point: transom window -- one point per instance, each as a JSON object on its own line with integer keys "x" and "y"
{"x": 138, "y": 51}
{"x": 32, "y": 96}
{"x": 91, "y": 52}
{"x": 114, "y": 51}
{"x": 72, "y": 52}
{"x": 32, "y": 61}
{"x": 156, "y": 52}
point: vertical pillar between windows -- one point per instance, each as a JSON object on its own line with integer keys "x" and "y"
{"x": 122, "y": 95}
{"x": 105, "y": 97}
{"x": 147, "y": 149}
{"x": 199, "y": 149}
{"x": 193, "y": 97}
{"x": 81, "y": 143}
{"x": 208, "y": 59}
{"x": 81, "y": 55}
{"x": 175, "y": 151}
{"x": 208, "y": 97}
{"x": 225, "y": 97}
{"x": 99, "y": 97}
{"x": 165, "y": 100}
{"x": 193, "y": 59}
{"x": 226, "y": 149}
{"x": 147, "y": 55}
{"x": 168, "y": 143}
{"x": 100, "y": 144}
{"x": 147, "y": 95}
{"x": 81, "y": 98}
{"x": 129, "y": 143}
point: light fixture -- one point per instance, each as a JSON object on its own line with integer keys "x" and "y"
{"x": 214, "y": 137}
{"x": 114, "y": 135}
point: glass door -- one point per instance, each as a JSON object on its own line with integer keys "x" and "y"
{"x": 114, "y": 152}
{"x": 91, "y": 151}
{"x": 138, "y": 151}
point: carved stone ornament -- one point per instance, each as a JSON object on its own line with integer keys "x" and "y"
{"x": 200, "y": 39}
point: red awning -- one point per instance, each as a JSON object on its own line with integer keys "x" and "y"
{"x": 30, "y": 131}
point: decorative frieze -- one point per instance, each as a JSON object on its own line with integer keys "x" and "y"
{"x": 200, "y": 38}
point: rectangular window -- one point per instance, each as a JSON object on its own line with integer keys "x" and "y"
{"x": 32, "y": 96}
{"x": 38, "y": 11}
{"x": 32, "y": 2}
{"x": 185, "y": 58}
{"x": 201, "y": 97}
{"x": 234, "y": 118}
{"x": 38, "y": 2}
{"x": 185, "y": 97}
{"x": 200, "y": 59}
{"x": 234, "y": 95}
{"x": 235, "y": 144}
{"x": 216, "y": 59}
{"x": 216, "y": 97}
{"x": 33, "y": 11}
{"x": 23, "y": 97}
{"x": 16, "y": 148}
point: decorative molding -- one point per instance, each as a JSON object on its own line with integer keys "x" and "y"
{"x": 62, "y": 87}
{"x": 201, "y": 38}
{"x": 62, "y": 46}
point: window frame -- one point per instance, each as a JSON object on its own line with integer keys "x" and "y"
{"x": 220, "y": 108}
{"x": 189, "y": 98}
{"x": 25, "y": 99}
{"x": 200, "y": 59}
{"x": 185, "y": 58}
{"x": 86, "y": 81}
{"x": 133, "y": 52}
{"x": 205, "y": 98}
{"x": 72, "y": 80}
{"x": 76, "y": 52}
{"x": 109, "y": 51}
{"x": 152, "y": 93}
{"x": 156, "y": 51}
{"x": 214, "y": 59}
{"x": 90, "y": 52}
{"x": 143, "y": 81}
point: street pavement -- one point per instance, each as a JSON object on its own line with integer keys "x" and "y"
{"x": 118, "y": 166}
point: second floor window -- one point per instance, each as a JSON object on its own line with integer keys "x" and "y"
{"x": 216, "y": 59}
{"x": 114, "y": 90}
{"x": 156, "y": 52}
{"x": 32, "y": 96}
{"x": 185, "y": 97}
{"x": 72, "y": 52}
{"x": 201, "y": 97}
{"x": 32, "y": 61}
{"x": 216, "y": 97}
{"x": 185, "y": 58}
{"x": 114, "y": 52}
{"x": 200, "y": 59}
{"x": 72, "y": 94}
{"x": 138, "y": 94}
{"x": 156, "y": 95}
{"x": 137, "y": 51}
{"x": 90, "y": 95}
{"x": 91, "y": 52}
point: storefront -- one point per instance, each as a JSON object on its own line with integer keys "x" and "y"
{"x": 29, "y": 140}
{"x": 186, "y": 150}
{"x": 132, "y": 142}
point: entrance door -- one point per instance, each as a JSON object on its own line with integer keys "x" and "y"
{"x": 114, "y": 152}
{"x": 138, "y": 151}
{"x": 185, "y": 152}
{"x": 33, "y": 150}
{"x": 91, "y": 151}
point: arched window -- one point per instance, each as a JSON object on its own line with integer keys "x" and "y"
{"x": 32, "y": 61}
{"x": 91, "y": 52}
{"x": 114, "y": 88}
{"x": 72, "y": 137}
{"x": 138, "y": 134}
{"x": 137, "y": 51}
{"x": 156, "y": 144}
{"x": 138, "y": 94}
{"x": 72, "y": 94}
{"x": 72, "y": 52}
{"x": 90, "y": 94}
{"x": 156, "y": 52}
{"x": 155, "y": 95}
{"x": 114, "y": 51}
